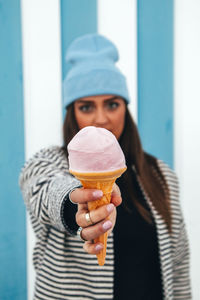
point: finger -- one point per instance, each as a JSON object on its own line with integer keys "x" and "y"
{"x": 94, "y": 216}
{"x": 112, "y": 218}
{"x": 116, "y": 195}
{"x": 81, "y": 195}
{"x": 116, "y": 190}
{"x": 91, "y": 248}
{"x": 116, "y": 200}
{"x": 92, "y": 232}
{"x": 82, "y": 208}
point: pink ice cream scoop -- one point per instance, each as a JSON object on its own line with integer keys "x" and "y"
{"x": 95, "y": 149}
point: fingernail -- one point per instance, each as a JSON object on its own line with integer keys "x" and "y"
{"x": 97, "y": 194}
{"x": 98, "y": 247}
{"x": 107, "y": 225}
{"x": 110, "y": 207}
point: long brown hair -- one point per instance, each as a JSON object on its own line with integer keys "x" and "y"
{"x": 145, "y": 165}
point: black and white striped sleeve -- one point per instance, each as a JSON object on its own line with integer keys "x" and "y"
{"x": 179, "y": 240}
{"x": 181, "y": 266}
{"x": 181, "y": 255}
{"x": 45, "y": 182}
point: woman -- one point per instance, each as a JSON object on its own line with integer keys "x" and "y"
{"x": 147, "y": 253}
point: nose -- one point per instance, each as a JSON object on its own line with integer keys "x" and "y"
{"x": 101, "y": 117}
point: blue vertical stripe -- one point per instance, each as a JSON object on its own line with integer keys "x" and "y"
{"x": 78, "y": 17}
{"x": 155, "y": 77}
{"x": 12, "y": 209}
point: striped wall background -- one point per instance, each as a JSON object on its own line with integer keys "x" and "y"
{"x": 159, "y": 47}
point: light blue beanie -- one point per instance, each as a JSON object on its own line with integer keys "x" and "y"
{"x": 93, "y": 71}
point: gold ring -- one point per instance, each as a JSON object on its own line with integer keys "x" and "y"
{"x": 88, "y": 219}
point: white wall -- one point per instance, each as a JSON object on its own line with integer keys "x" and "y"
{"x": 120, "y": 26}
{"x": 42, "y": 88}
{"x": 187, "y": 123}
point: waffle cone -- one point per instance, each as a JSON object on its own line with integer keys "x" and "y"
{"x": 103, "y": 181}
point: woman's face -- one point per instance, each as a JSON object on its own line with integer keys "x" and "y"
{"x": 107, "y": 111}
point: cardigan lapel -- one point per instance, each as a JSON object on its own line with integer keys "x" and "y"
{"x": 164, "y": 244}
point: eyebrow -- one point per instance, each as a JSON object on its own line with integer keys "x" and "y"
{"x": 90, "y": 101}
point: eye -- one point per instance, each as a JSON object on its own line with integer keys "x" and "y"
{"x": 112, "y": 105}
{"x": 86, "y": 108}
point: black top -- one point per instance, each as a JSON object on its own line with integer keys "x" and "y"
{"x": 137, "y": 265}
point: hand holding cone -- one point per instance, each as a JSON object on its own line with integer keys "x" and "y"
{"x": 104, "y": 182}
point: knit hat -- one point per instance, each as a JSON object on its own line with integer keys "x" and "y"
{"x": 93, "y": 72}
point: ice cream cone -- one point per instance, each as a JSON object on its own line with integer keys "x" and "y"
{"x": 102, "y": 181}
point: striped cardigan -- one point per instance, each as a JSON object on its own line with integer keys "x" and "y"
{"x": 63, "y": 269}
